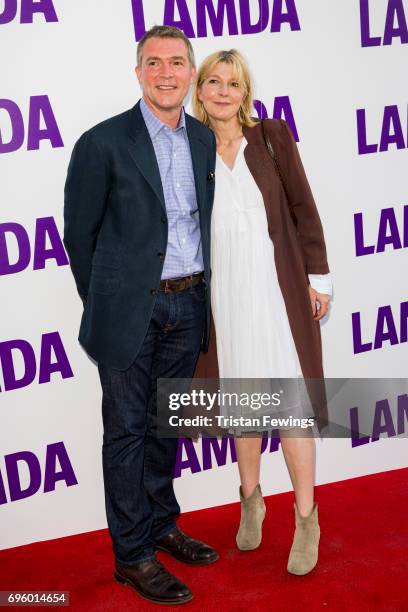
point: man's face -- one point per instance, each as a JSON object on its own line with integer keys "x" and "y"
{"x": 165, "y": 74}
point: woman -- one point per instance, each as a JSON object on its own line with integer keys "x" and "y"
{"x": 265, "y": 247}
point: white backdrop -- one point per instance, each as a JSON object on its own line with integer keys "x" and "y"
{"x": 83, "y": 62}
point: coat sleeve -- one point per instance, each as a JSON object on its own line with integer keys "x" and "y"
{"x": 309, "y": 227}
{"x": 86, "y": 191}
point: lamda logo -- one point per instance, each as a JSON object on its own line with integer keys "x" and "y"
{"x": 15, "y": 246}
{"x": 385, "y": 332}
{"x": 13, "y": 129}
{"x": 212, "y": 453}
{"x": 200, "y": 18}
{"x": 19, "y": 360}
{"x": 57, "y": 467}
{"x": 26, "y": 10}
{"x": 394, "y": 28}
{"x": 388, "y": 235}
{"x": 392, "y": 133}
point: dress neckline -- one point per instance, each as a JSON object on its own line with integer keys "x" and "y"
{"x": 239, "y": 152}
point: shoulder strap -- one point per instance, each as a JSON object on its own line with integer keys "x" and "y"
{"x": 275, "y": 161}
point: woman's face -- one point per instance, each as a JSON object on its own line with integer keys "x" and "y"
{"x": 220, "y": 93}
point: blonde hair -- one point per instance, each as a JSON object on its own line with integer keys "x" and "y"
{"x": 236, "y": 60}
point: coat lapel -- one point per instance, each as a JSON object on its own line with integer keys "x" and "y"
{"x": 199, "y": 159}
{"x": 257, "y": 159}
{"x": 142, "y": 152}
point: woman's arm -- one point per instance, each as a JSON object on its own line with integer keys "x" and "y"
{"x": 309, "y": 227}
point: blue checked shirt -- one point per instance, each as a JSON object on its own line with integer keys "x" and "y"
{"x": 172, "y": 148}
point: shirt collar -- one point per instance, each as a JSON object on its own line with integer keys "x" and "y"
{"x": 153, "y": 123}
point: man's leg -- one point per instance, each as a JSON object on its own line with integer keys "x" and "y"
{"x": 124, "y": 410}
{"x": 176, "y": 356}
{"x": 128, "y": 505}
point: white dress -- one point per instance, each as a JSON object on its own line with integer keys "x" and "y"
{"x": 254, "y": 339}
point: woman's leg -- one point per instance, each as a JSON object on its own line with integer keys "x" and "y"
{"x": 300, "y": 457}
{"x": 249, "y": 462}
{"x": 249, "y": 534}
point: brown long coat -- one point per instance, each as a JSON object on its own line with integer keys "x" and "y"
{"x": 299, "y": 250}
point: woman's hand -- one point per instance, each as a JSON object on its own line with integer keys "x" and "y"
{"x": 319, "y": 298}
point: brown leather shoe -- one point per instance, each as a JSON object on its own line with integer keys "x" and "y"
{"x": 185, "y": 549}
{"x": 153, "y": 582}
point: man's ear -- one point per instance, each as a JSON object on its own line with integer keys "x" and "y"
{"x": 193, "y": 73}
{"x": 138, "y": 72}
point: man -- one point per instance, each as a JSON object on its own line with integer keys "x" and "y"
{"x": 138, "y": 201}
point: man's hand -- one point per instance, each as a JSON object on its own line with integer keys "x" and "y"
{"x": 319, "y": 298}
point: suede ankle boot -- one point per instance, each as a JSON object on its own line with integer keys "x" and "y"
{"x": 304, "y": 552}
{"x": 253, "y": 510}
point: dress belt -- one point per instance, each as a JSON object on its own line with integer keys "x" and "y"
{"x": 173, "y": 285}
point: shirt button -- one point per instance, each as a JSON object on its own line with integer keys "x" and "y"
{"x": 161, "y": 255}
{"x": 183, "y": 240}
{"x": 177, "y": 184}
{"x": 153, "y": 291}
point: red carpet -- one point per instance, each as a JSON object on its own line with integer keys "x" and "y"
{"x": 363, "y": 562}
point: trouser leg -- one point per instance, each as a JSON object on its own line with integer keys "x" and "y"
{"x": 175, "y": 357}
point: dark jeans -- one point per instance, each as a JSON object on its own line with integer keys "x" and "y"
{"x": 137, "y": 465}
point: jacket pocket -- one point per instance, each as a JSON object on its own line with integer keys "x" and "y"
{"x": 105, "y": 272}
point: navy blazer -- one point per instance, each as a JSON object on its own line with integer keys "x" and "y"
{"x": 115, "y": 230}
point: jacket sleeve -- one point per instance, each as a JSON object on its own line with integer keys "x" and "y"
{"x": 86, "y": 191}
{"x": 309, "y": 227}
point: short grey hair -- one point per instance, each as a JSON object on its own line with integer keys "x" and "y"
{"x": 161, "y": 31}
